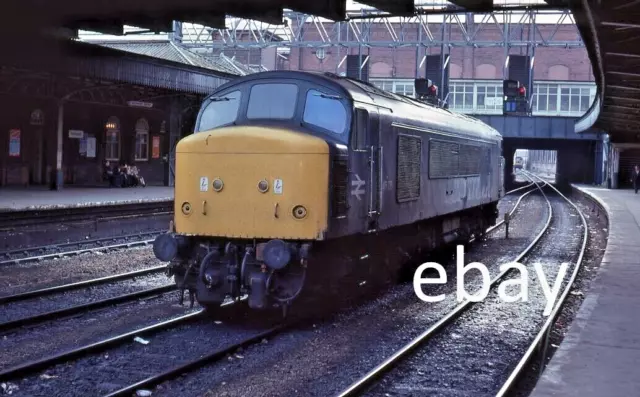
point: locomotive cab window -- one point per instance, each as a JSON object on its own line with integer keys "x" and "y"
{"x": 360, "y": 129}
{"x": 325, "y": 111}
{"x": 272, "y": 101}
{"x": 221, "y": 110}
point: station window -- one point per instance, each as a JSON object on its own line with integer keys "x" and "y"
{"x": 222, "y": 110}
{"x": 112, "y": 141}
{"x": 272, "y": 101}
{"x": 142, "y": 140}
{"x": 545, "y": 98}
{"x": 461, "y": 96}
{"x": 325, "y": 111}
{"x": 489, "y": 97}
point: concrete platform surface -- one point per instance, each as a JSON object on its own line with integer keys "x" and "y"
{"x": 600, "y": 355}
{"x": 42, "y": 198}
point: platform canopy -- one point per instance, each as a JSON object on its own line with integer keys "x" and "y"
{"x": 157, "y": 15}
{"x": 611, "y": 31}
{"x": 608, "y": 28}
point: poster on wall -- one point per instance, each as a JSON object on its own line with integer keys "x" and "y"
{"x": 14, "y": 143}
{"x": 83, "y": 146}
{"x": 156, "y": 147}
{"x": 37, "y": 117}
{"x": 91, "y": 147}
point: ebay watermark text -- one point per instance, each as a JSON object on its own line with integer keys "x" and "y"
{"x": 520, "y": 282}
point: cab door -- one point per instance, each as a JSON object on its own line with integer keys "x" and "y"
{"x": 366, "y": 172}
{"x": 375, "y": 171}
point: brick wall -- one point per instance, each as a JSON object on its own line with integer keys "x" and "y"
{"x": 466, "y": 62}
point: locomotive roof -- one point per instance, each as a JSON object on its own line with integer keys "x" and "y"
{"x": 368, "y": 93}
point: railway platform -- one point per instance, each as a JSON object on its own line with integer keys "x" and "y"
{"x": 600, "y": 353}
{"x": 30, "y": 199}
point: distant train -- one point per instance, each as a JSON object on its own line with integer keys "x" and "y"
{"x": 518, "y": 164}
{"x": 291, "y": 175}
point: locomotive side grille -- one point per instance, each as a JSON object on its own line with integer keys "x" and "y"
{"x": 470, "y": 160}
{"x": 340, "y": 181}
{"x": 409, "y": 164}
{"x": 443, "y": 159}
{"x": 455, "y": 160}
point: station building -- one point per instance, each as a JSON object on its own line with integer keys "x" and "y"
{"x": 89, "y": 104}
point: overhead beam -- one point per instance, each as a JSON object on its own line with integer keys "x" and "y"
{"x": 395, "y": 7}
{"x": 217, "y": 21}
{"x": 335, "y": 10}
{"x": 634, "y": 109}
{"x": 474, "y": 5}
{"x": 273, "y": 16}
{"x": 113, "y": 27}
{"x": 619, "y": 98}
{"x": 624, "y": 87}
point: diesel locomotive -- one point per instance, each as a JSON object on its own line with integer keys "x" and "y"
{"x": 290, "y": 174}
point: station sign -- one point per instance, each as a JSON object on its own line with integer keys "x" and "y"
{"x": 76, "y": 134}
{"x": 140, "y": 104}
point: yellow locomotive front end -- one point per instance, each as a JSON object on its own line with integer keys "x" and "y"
{"x": 252, "y": 182}
{"x": 252, "y": 191}
{"x": 249, "y": 201}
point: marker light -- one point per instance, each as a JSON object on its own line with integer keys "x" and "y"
{"x": 263, "y": 186}
{"x": 299, "y": 212}
{"x": 217, "y": 184}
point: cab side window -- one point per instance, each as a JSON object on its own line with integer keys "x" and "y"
{"x": 359, "y": 136}
{"x": 220, "y": 111}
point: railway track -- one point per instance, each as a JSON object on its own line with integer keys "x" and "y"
{"x": 378, "y": 373}
{"x": 12, "y": 220}
{"x": 30, "y": 368}
{"x": 221, "y": 353}
{"x": 542, "y": 337}
{"x": 208, "y": 359}
{"x": 52, "y": 251}
{"x": 85, "y": 307}
{"x": 21, "y": 371}
{"x": 33, "y": 367}
{"x": 80, "y": 284}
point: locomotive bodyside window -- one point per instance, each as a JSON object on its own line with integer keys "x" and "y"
{"x": 222, "y": 110}
{"x": 272, "y": 101}
{"x": 325, "y": 111}
{"x": 360, "y": 129}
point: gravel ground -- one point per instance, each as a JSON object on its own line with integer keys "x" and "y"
{"x": 18, "y": 347}
{"x": 31, "y": 307}
{"x": 28, "y": 343}
{"x": 597, "y": 243}
{"x": 35, "y": 275}
{"x": 116, "y": 368}
{"x": 322, "y": 359}
{"x": 506, "y": 204}
{"x": 475, "y": 354}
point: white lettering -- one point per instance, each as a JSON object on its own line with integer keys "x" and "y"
{"x": 522, "y": 281}
{"x": 418, "y": 280}
{"x": 461, "y": 270}
{"x": 553, "y": 293}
